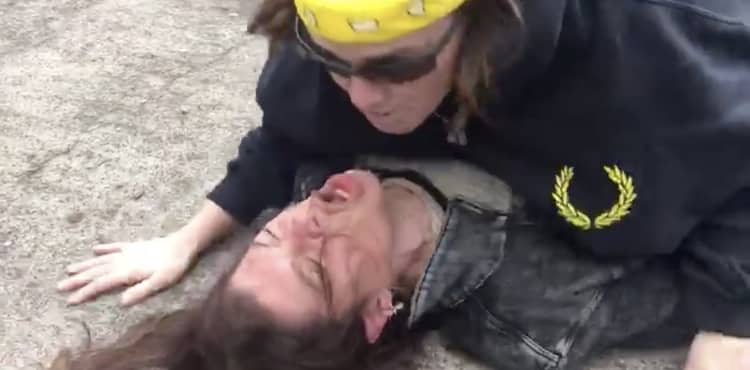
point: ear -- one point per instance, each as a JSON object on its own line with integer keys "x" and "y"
{"x": 376, "y": 314}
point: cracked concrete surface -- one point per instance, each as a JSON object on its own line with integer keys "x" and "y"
{"x": 116, "y": 117}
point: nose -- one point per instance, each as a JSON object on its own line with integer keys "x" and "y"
{"x": 364, "y": 94}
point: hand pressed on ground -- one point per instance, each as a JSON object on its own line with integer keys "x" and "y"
{"x": 146, "y": 267}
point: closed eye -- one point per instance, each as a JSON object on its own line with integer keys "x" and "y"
{"x": 269, "y": 232}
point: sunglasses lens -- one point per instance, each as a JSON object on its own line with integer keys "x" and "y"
{"x": 395, "y": 71}
{"x": 339, "y": 71}
{"x": 400, "y": 72}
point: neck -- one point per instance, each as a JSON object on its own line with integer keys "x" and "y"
{"x": 413, "y": 236}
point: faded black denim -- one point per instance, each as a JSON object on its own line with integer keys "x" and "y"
{"x": 508, "y": 293}
{"x": 518, "y": 299}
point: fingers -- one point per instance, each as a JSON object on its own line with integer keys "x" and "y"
{"x": 141, "y": 291}
{"x": 89, "y": 263}
{"x": 101, "y": 284}
{"x": 78, "y": 280}
{"x": 108, "y": 248}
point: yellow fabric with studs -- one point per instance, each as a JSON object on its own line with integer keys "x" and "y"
{"x": 370, "y": 21}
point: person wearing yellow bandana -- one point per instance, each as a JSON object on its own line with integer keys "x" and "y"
{"x": 624, "y": 125}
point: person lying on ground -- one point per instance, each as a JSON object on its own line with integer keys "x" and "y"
{"x": 347, "y": 277}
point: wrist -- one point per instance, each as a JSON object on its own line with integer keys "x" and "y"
{"x": 205, "y": 228}
{"x": 187, "y": 241}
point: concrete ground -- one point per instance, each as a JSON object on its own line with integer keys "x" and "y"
{"x": 116, "y": 117}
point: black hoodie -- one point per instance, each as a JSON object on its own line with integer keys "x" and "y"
{"x": 625, "y": 124}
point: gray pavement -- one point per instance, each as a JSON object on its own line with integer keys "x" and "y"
{"x": 116, "y": 117}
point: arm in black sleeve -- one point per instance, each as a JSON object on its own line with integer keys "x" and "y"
{"x": 260, "y": 176}
{"x": 716, "y": 260}
{"x": 717, "y": 266}
{"x": 262, "y": 173}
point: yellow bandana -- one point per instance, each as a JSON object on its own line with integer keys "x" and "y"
{"x": 370, "y": 21}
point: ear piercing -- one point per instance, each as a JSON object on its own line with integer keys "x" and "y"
{"x": 397, "y": 307}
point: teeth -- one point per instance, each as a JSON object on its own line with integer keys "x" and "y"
{"x": 342, "y": 194}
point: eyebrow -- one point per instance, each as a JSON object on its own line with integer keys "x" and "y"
{"x": 266, "y": 229}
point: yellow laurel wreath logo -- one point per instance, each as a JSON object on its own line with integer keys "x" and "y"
{"x": 617, "y": 212}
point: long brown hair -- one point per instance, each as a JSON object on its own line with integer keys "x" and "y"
{"x": 492, "y": 40}
{"x": 231, "y": 331}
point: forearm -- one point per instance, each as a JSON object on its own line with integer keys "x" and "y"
{"x": 206, "y": 227}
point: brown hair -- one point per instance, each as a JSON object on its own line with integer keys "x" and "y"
{"x": 493, "y": 29}
{"x": 231, "y": 331}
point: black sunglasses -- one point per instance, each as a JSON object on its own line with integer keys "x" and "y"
{"x": 392, "y": 68}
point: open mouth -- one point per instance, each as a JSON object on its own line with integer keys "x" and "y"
{"x": 334, "y": 196}
{"x": 341, "y": 188}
